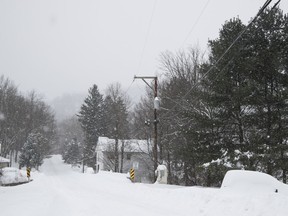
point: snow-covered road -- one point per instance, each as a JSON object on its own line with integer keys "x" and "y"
{"x": 58, "y": 190}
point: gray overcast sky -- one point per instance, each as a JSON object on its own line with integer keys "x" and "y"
{"x": 65, "y": 46}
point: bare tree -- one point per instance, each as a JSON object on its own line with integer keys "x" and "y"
{"x": 116, "y": 104}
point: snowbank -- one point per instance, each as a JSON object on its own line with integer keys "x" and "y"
{"x": 59, "y": 190}
{"x": 252, "y": 182}
{"x": 12, "y": 175}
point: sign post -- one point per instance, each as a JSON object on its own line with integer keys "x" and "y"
{"x": 28, "y": 170}
{"x": 132, "y": 174}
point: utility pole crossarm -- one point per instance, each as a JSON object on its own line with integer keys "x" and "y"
{"x": 148, "y": 84}
{"x": 149, "y": 77}
{"x": 145, "y": 77}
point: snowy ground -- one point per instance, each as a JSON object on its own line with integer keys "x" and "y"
{"x": 58, "y": 190}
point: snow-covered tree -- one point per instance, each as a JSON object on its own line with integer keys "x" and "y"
{"x": 116, "y": 116}
{"x": 19, "y": 116}
{"x": 72, "y": 154}
{"x": 32, "y": 154}
{"x": 68, "y": 130}
{"x": 91, "y": 117}
{"x": 183, "y": 129}
{"x": 236, "y": 117}
{"x": 269, "y": 75}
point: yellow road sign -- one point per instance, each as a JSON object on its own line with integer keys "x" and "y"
{"x": 132, "y": 174}
{"x": 28, "y": 170}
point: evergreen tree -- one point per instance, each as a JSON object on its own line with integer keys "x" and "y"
{"x": 270, "y": 80}
{"x": 31, "y": 153}
{"x": 91, "y": 117}
{"x": 237, "y": 116}
{"x": 68, "y": 130}
{"x": 229, "y": 90}
{"x": 72, "y": 153}
{"x": 248, "y": 87}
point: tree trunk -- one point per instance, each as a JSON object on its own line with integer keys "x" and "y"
{"x": 116, "y": 168}
{"x": 169, "y": 168}
{"x": 16, "y": 156}
{"x": 186, "y": 178}
{"x": 83, "y": 165}
{"x": 122, "y": 156}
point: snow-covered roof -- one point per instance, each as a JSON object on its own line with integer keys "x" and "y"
{"x": 132, "y": 145}
{"x": 4, "y": 160}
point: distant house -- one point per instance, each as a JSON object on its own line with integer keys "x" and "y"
{"x": 4, "y": 162}
{"x": 136, "y": 155}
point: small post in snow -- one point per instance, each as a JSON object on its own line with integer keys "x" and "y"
{"x": 132, "y": 174}
{"x": 28, "y": 170}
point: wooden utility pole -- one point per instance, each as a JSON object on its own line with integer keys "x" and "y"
{"x": 155, "y": 149}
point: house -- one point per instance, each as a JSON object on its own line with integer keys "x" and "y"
{"x": 136, "y": 154}
{"x": 4, "y": 162}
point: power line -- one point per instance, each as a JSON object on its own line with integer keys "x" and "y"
{"x": 221, "y": 57}
{"x": 196, "y": 22}
{"x": 147, "y": 35}
{"x": 276, "y": 4}
{"x": 225, "y": 52}
{"x": 125, "y": 93}
{"x": 185, "y": 107}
